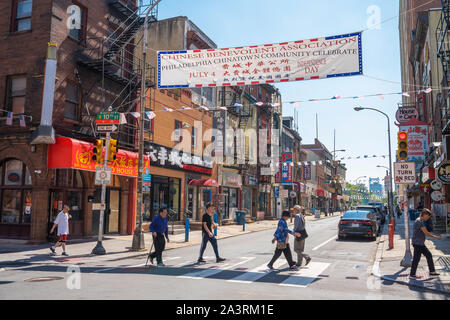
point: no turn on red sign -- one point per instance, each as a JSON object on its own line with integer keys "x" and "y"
{"x": 405, "y": 173}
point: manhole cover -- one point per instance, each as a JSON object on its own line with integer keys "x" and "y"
{"x": 44, "y": 279}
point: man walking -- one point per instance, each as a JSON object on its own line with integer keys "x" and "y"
{"x": 207, "y": 235}
{"x": 299, "y": 243}
{"x": 62, "y": 222}
{"x": 159, "y": 229}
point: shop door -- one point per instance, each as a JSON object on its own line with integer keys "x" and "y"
{"x": 112, "y": 212}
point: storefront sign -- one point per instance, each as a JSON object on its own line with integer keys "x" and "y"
{"x": 230, "y": 179}
{"x": 404, "y": 114}
{"x": 436, "y": 185}
{"x": 219, "y": 123}
{"x": 307, "y": 172}
{"x": 70, "y": 153}
{"x": 276, "y": 192}
{"x": 417, "y": 139}
{"x": 161, "y": 156}
{"x": 437, "y": 196}
{"x": 443, "y": 172}
{"x": 251, "y": 181}
{"x": 287, "y": 168}
{"x": 329, "y": 57}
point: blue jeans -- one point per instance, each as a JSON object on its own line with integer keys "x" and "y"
{"x": 205, "y": 240}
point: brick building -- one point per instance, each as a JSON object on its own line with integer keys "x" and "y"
{"x": 46, "y": 162}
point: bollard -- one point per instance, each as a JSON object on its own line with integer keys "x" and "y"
{"x": 186, "y": 231}
{"x": 393, "y": 222}
{"x": 391, "y": 236}
{"x": 243, "y": 224}
{"x": 215, "y": 221}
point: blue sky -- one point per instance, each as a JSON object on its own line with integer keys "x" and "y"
{"x": 250, "y": 22}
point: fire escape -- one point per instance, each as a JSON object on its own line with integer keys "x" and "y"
{"x": 114, "y": 57}
{"x": 443, "y": 49}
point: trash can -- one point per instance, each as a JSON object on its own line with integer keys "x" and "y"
{"x": 240, "y": 216}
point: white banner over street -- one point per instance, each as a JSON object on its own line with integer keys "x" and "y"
{"x": 337, "y": 56}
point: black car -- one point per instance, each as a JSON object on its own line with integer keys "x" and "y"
{"x": 358, "y": 223}
{"x": 377, "y": 211}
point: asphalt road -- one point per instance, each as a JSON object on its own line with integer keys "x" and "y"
{"x": 340, "y": 269}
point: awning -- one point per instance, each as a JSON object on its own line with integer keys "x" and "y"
{"x": 203, "y": 183}
{"x": 68, "y": 153}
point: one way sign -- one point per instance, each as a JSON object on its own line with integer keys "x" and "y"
{"x": 405, "y": 173}
{"x": 106, "y": 128}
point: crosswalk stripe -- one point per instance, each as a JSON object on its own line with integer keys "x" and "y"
{"x": 257, "y": 273}
{"x": 305, "y": 275}
{"x": 212, "y": 271}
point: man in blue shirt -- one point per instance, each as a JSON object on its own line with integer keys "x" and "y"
{"x": 159, "y": 229}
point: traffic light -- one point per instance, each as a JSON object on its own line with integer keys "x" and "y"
{"x": 403, "y": 145}
{"x": 112, "y": 150}
{"x": 98, "y": 152}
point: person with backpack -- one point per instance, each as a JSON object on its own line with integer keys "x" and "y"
{"x": 418, "y": 241}
{"x": 281, "y": 236}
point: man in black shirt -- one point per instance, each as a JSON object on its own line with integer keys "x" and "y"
{"x": 207, "y": 234}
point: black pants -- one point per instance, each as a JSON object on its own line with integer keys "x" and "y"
{"x": 160, "y": 244}
{"x": 418, "y": 251}
{"x": 205, "y": 240}
{"x": 287, "y": 253}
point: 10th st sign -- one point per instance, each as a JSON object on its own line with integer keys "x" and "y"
{"x": 404, "y": 173}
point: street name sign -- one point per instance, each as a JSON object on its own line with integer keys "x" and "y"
{"x": 103, "y": 175}
{"x": 108, "y": 117}
{"x": 107, "y": 128}
{"x": 405, "y": 173}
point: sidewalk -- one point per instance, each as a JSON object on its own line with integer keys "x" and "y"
{"x": 16, "y": 252}
{"x": 387, "y": 262}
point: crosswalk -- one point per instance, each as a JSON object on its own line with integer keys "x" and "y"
{"x": 242, "y": 270}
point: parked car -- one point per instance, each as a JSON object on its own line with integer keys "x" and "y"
{"x": 358, "y": 223}
{"x": 380, "y": 205}
{"x": 380, "y": 216}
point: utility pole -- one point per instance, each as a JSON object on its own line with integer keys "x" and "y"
{"x": 407, "y": 259}
{"x": 138, "y": 236}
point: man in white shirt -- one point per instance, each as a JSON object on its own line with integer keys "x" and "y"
{"x": 62, "y": 221}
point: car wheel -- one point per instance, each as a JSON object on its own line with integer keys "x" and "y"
{"x": 340, "y": 237}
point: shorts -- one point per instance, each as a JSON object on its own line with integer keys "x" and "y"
{"x": 62, "y": 238}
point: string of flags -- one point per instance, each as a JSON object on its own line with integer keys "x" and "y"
{"x": 322, "y": 162}
{"x": 10, "y": 118}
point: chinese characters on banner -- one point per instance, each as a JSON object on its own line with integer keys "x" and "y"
{"x": 161, "y": 156}
{"x": 287, "y": 168}
{"x": 336, "y": 56}
{"x": 417, "y": 139}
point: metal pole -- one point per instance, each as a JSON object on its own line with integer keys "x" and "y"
{"x": 407, "y": 259}
{"x": 391, "y": 213}
{"x": 138, "y": 236}
{"x": 99, "y": 249}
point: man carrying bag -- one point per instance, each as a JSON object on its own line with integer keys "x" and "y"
{"x": 300, "y": 236}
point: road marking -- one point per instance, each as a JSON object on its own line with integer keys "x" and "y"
{"x": 305, "y": 275}
{"x": 257, "y": 273}
{"x": 213, "y": 270}
{"x": 135, "y": 266}
{"x": 321, "y": 245}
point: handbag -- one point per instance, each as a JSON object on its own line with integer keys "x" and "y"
{"x": 304, "y": 235}
{"x": 281, "y": 245}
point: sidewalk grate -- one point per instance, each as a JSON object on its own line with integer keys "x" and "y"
{"x": 445, "y": 262}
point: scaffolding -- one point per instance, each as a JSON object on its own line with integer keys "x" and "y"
{"x": 114, "y": 58}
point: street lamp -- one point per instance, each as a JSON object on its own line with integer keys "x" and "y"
{"x": 138, "y": 236}
{"x": 390, "y": 155}
{"x": 334, "y": 153}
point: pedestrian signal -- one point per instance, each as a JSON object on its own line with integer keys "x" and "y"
{"x": 403, "y": 145}
{"x": 112, "y": 150}
{"x": 98, "y": 152}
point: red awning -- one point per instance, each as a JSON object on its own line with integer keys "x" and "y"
{"x": 204, "y": 183}
{"x": 68, "y": 153}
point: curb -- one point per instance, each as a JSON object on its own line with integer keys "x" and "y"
{"x": 376, "y": 269}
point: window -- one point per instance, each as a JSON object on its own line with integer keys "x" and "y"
{"x": 15, "y": 193}
{"x": 16, "y": 91}
{"x": 72, "y": 103}
{"x": 177, "y": 134}
{"x": 79, "y": 34}
{"x": 21, "y": 18}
